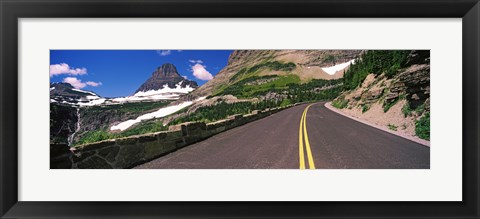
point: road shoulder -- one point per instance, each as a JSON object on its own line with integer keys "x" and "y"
{"x": 411, "y": 138}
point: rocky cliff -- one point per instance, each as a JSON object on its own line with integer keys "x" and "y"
{"x": 398, "y": 102}
{"x": 63, "y": 120}
{"x": 166, "y": 74}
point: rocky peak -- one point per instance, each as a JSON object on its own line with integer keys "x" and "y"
{"x": 61, "y": 86}
{"x": 167, "y": 70}
{"x": 166, "y": 74}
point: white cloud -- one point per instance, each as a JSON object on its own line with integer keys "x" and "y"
{"x": 164, "y": 52}
{"x": 78, "y": 84}
{"x": 195, "y": 61}
{"x": 64, "y": 68}
{"x": 75, "y": 82}
{"x": 201, "y": 73}
{"x": 93, "y": 84}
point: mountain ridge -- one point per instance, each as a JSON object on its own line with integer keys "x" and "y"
{"x": 308, "y": 65}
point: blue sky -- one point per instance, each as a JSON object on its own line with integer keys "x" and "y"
{"x": 115, "y": 73}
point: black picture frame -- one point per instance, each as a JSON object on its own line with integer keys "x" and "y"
{"x": 12, "y": 10}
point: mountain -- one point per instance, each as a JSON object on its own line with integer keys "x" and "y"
{"x": 67, "y": 90}
{"x": 163, "y": 77}
{"x": 300, "y": 66}
{"x": 164, "y": 84}
{"x": 65, "y": 93}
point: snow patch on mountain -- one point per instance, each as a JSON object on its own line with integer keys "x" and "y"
{"x": 119, "y": 100}
{"x": 165, "y": 90}
{"x": 92, "y": 102}
{"x": 333, "y": 69}
{"x": 157, "y": 114}
{"x": 83, "y": 91}
{"x": 166, "y": 93}
{"x": 88, "y": 98}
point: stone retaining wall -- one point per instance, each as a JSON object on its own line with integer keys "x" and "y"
{"x": 133, "y": 150}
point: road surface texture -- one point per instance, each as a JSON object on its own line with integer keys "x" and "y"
{"x": 307, "y": 136}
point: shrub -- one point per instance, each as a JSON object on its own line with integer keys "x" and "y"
{"x": 387, "y": 106}
{"x": 329, "y": 58}
{"x": 390, "y": 72}
{"x": 392, "y": 127}
{"x": 286, "y": 102}
{"x": 340, "y": 103}
{"x": 365, "y": 108}
{"x": 420, "y": 109}
{"x": 422, "y": 127}
{"x": 94, "y": 136}
{"x": 406, "y": 110}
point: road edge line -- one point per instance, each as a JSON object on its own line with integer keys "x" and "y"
{"x": 422, "y": 142}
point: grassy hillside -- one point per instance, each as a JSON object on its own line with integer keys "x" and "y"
{"x": 255, "y": 86}
{"x": 270, "y": 65}
{"x": 248, "y": 83}
{"x": 103, "y": 133}
{"x": 96, "y": 120}
{"x": 242, "y": 83}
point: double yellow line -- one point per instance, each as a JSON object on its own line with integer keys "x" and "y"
{"x": 302, "y": 131}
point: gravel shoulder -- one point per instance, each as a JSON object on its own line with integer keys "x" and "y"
{"x": 423, "y": 142}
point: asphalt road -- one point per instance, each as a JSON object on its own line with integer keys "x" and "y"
{"x": 322, "y": 139}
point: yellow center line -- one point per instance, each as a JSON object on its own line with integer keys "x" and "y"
{"x": 300, "y": 143}
{"x": 302, "y": 131}
{"x": 311, "y": 164}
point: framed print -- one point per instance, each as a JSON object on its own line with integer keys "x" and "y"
{"x": 239, "y": 109}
